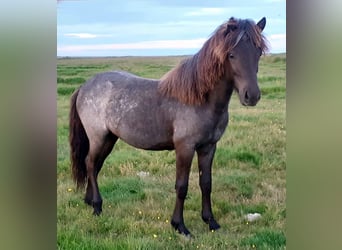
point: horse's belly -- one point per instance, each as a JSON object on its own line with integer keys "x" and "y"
{"x": 144, "y": 132}
{"x": 152, "y": 146}
{"x": 146, "y": 140}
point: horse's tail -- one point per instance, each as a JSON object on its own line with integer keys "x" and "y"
{"x": 79, "y": 144}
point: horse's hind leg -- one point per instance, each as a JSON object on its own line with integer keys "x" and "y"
{"x": 98, "y": 151}
{"x": 107, "y": 148}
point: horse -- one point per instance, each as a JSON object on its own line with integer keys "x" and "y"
{"x": 186, "y": 111}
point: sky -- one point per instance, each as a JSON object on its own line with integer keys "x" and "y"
{"x": 157, "y": 27}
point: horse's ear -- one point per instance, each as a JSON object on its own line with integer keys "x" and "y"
{"x": 230, "y": 27}
{"x": 262, "y": 23}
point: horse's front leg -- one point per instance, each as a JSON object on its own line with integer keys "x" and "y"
{"x": 183, "y": 164}
{"x": 205, "y": 158}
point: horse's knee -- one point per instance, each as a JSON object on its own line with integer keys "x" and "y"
{"x": 205, "y": 188}
{"x": 182, "y": 191}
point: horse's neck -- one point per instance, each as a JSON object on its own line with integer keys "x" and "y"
{"x": 220, "y": 96}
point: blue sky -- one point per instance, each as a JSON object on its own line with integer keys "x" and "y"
{"x": 156, "y": 27}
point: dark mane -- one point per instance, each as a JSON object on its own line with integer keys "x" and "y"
{"x": 194, "y": 77}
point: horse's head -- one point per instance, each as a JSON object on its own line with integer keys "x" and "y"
{"x": 243, "y": 58}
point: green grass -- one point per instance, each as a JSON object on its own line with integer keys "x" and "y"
{"x": 71, "y": 80}
{"x": 265, "y": 240}
{"x": 248, "y": 173}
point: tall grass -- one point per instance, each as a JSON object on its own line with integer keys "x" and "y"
{"x": 248, "y": 174}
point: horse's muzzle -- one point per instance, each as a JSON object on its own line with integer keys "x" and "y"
{"x": 249, "y": 98}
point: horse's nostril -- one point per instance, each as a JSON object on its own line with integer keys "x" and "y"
{"x": 246, "y": 96}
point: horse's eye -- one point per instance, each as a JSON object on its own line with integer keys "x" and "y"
{"x": 231, "y": 56}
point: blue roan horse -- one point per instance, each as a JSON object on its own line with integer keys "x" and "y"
{"x": 186, "y": 111}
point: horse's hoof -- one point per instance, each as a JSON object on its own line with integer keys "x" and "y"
{"x": 97, "y": 208}
{"x": 213, "y": 225}
{"x": 181, "y": 229}
{"x": 97, "y": 213}
{"x": 88, "y": 201}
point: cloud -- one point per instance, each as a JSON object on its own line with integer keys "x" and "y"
{"x": 85, "y": 35}
{"x": 277, "y": 45}
{"x": 275, "y": 1}
{"x": 277, "y": 42}
{"x": 162, "y": 44}
{"x": 205, "y": 12}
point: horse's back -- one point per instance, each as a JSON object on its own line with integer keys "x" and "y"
{"x": 116, "y": 79}
{"x": 107, "y": 86}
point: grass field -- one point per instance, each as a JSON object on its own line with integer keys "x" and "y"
{"x": 137, "y": 186}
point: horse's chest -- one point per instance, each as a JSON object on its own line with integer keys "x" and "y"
{"x": 212, "y": 130}
{"x": 220, "y": 127}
